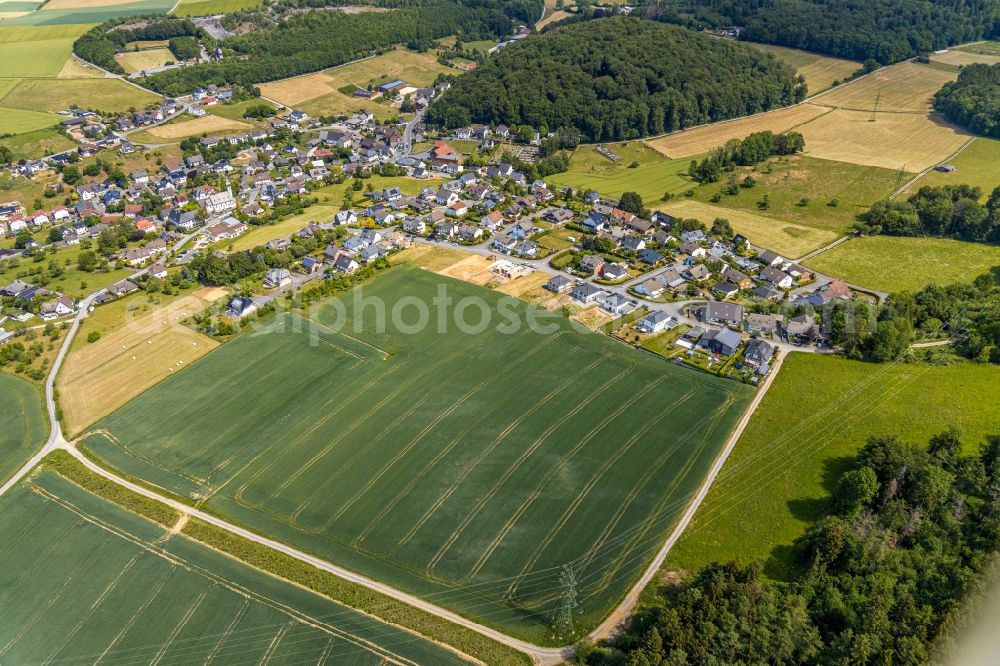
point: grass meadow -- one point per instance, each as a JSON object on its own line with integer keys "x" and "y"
{"x": 82, "y": 12}
{"x": 786, "y": 238}
{"x": 87, "y": 577}
{"x": 652, "y": 178}
{"x": 897, "y": 263}
{"x": 23, "y": 424}
{"x": 977, "y": 165}
{"x": 464, "y": 467}
{"x": 800, "y": 189}
{"x": 57, "y": 94}
{"x": 818, "y": 413}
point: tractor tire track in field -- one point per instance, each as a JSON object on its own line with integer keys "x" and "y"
{"x": 564, "y": 460}
{"x": 240, "y": 614}
{"x": 616, "y": 565}
{"x": 416, "y": 478}
{"x": 111, "y": 587}
{"x": 27, "y": 626}
{"x": 511, "y": 470}
{"x": 469, "y": 468}
{"x": 571, "y": 509}
{"x": 178, "y": 563}
{"x": 361, "y": 420}
{"x": 178, "y": 629}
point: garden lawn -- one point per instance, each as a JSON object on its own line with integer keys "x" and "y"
{"x": 23, "y": 423}
{"x": 465, "y": 465}
{"x": 87, "y": 577}
{"x": 898, "y": 263}
{"x": 651, "y": 178}
{"x": 818, "y": 413}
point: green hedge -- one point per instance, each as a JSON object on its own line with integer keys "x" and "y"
{"x": 65, "y": 465}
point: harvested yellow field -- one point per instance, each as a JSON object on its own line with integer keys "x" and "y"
{"x": 785, "y": 238}
{"x": 700, "y": 140}
{"x": 76, "y": 69}
{"x": 819, "y": 71}
{"x": 960, "y": 58}
{"x": 908, "y": 86}
{"x": 188, "y": 128}
{"x": 101, "y": 376}
{"x": 552, "y": 17}
{"x": 136, "y": 61}
{"x": 909, "y": 141}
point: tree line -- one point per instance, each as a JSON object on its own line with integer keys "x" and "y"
{"x": 617, "y": 79}
{"x": 315, "y": 40}
{"x": 879, "y": 579}
{"x": 100, "y": 44}
{"x": 950, "y": 211}
{"x": 885, "y": 31}
{"x": 973, "y": 100}
{"x": 754, "y": 149}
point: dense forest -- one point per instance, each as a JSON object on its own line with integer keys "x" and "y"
{"x": 973, "y": 101}
{"x": 303, "y": 42}
{"x": 886, "y": 31}
{"x": 880, "y": 580}
{"x": 617, "y": 78}
{"x": 950, "y": 211}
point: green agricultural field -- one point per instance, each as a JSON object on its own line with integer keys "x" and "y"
{"x": 897, "y": 263}
{"x": 85, "y": 12}
{"x": 19, "y": 121}
{"x": 652, "y": 178}
{"x": 212, "y": 7}
{"x": 977, "y": 165}
{"x": 818, "y": 413}
{"x": 57, "y": 94}
{"x": 466, "y": 467}
{"x": 23, "y": 425}
{"x": 87, "y": 580}
{"x": 35, "y": 33}
{"x": 788, "y": 180}
{"x": 42, "y": 58}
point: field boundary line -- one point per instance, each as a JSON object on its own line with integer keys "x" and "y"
{"x": 571, "y": 509}
{"x": 540, "y": 654}
{"x": 926, "y": 171}
{"x": 513, "y": 467}
{"x": 540, "y": 487}
{"x": 611, "y": 622}
{"x": 177, "y": 561}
